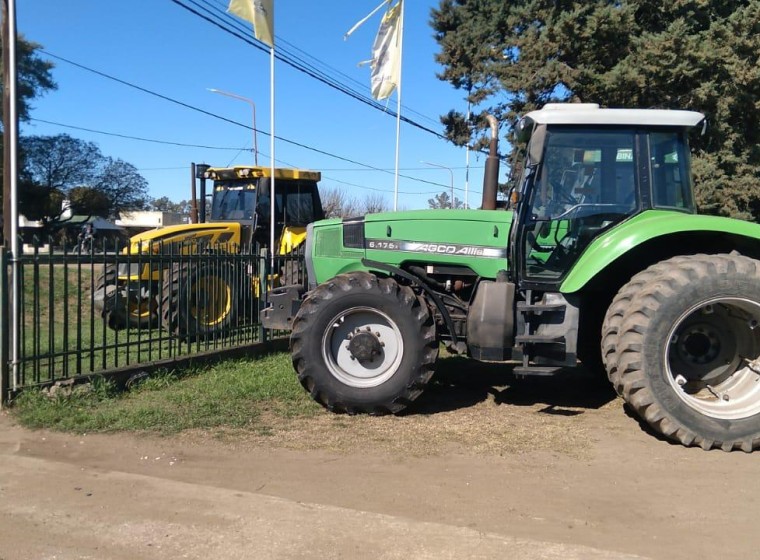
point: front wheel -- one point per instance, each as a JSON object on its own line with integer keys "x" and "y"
{"x": 688, "y": 355}
{"x": 363, "y": 344}
{"x": 122, "y": 305}
{"x": 200, "y": 300}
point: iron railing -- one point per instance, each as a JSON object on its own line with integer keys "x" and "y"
{"x": 98, "y": 309}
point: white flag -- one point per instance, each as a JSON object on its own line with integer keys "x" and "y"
{"x": 260, "y": 13}
{"x": 386, "y": 54}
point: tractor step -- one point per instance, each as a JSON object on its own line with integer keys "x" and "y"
{"x": 539, "y": 307}
{"x": 539, "y": 339}
{"x": 535, "y": 371}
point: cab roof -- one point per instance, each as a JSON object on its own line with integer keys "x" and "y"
{"x": 255, "y": 171}
{"x": 592, "y": 114}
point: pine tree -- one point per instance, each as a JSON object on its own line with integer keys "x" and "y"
{"x": 703, "y": 55}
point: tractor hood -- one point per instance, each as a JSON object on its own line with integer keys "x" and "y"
{"x": 476, "y": 239}
{"x": 491, "y": 216}
{"x": 215, "y": 233}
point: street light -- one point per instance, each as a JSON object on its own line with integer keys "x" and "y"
{"x": 451, "y": 172}
{"x": 253, "y": 107}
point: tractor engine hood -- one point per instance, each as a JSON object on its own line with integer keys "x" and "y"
{"x": 215, "y": 233}
{"x": 476, "y": 239}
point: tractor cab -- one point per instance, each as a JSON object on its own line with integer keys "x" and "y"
{"x": 588, "y": 169}
{"x": 243, "y": 194}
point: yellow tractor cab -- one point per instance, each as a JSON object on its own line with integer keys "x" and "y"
{"x": 242, "y": 194}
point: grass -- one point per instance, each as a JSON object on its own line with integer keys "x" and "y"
{"x": 232, "y": 394}
{"x": 468, "y": 407}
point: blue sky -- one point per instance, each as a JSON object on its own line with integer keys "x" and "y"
{"x": 160, "y": 46}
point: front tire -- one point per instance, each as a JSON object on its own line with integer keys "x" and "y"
{"x": 362, "y": 344}
{"x": 200, "y": 300}
{"x": 120, "y": 309}
{"x": 688, "y": 355}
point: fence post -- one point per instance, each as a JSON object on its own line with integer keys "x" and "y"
{"x": 264, "y": 273}
{"x": 5, "y": 376}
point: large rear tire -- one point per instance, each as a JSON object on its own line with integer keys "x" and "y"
{"x": 121, "y": 309}
{"x": 362, "y": 344}
{"x": 688, "y": 351}
{"x": 200, "y": 300}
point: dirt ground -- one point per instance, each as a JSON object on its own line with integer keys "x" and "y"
{"x": 481, "y": 468}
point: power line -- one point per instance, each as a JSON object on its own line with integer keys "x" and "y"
{"x": 141, "y": 139}
{"x": 402, "y": 168}
{"x": 288, "y": 59}
{"x": 302, "y": 55}
{"x": 225, "y": 119}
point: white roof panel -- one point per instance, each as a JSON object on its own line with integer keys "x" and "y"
{"x": 591, "y": 114}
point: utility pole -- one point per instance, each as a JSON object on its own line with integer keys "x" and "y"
{"x": 11, "y": 342}
{"x": 6, "y": 201}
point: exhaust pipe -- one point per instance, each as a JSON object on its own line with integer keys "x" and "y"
{"x": 491, "y": 175}
{"x": 193, "y": 197}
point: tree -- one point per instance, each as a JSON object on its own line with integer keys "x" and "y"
{"x": 337, "y": 204}
{"x": 38, "y": 203}
{"x": 88, "y": 201}
{"x": 60, "y": 166}
{"x": 163, "y": 204}
{"x": 443, "y": 200}
{"x": 512, "y": 57}
{"x": 60, "y": 162}
{"x": 120, "y": 181}
{"x": 34, "y": 79}
{"x": 374, "y": 203}
{"x": 34, "y": 75}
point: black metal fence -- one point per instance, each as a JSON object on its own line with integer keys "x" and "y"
{"x": 97, "y": 309}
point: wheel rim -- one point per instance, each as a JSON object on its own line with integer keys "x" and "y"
{"x": 141, "y": 308}
{"x": 383, "y": 337}
{"x": 214, "y": 301}
{"x": 712, "y": 358}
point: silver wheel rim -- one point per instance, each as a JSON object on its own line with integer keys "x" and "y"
{"x": 340, "y": 361}
{"x": 712, "y": 358}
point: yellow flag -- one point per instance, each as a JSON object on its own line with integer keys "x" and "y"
{"x": 386, "y": 54}
{"x": 260, "y": 13}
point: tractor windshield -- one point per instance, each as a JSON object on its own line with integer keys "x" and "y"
{"x": 233, "y": 201}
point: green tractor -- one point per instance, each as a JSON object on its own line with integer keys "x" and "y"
{"x": 187, "y": 277}
{"x": 601, "y": 259}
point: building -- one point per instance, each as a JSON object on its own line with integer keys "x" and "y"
{"x": 139, "y": 221}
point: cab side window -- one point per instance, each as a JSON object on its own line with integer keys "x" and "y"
{"x": 671, "y": 187}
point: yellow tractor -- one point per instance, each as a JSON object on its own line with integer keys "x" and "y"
{"x": 198, "y": 279}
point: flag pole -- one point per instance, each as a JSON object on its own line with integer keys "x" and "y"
{"x": 398, "y": 101}
{"x": 261, "y": 14}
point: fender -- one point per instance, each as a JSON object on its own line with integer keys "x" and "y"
{"x": 644, "y": 227}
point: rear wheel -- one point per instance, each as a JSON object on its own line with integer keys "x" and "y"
{"x": 688, "y": 352}
{"x": 363, "y": 344}
{"x": 200, "y": 299}
{"x": 614, "y": 317}
{"x": 121, "y": 307}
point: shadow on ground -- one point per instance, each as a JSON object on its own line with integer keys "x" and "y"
{"x": 461, "y": 383}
